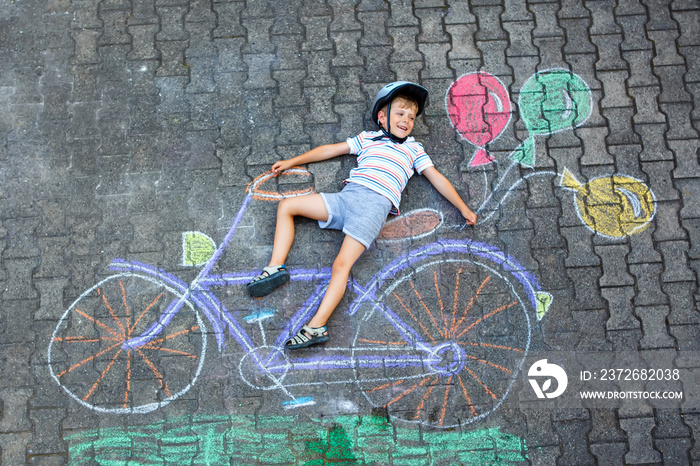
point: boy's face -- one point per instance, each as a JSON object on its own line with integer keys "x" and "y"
{"x": 402, "y": 117}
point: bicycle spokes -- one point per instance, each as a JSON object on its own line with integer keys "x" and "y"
{"x": 124, "y": 347}
{"x": 468, "y": 325}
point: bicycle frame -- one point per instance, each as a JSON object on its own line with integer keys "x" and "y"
{"x": 199, "y": 293}
{"x": 401, "y": 351}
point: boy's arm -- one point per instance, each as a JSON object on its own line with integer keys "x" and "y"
{"x": 445, "y": 188}
{"x": 325, "y": 152}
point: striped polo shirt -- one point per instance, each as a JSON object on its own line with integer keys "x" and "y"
{"x": 385, "y": 166}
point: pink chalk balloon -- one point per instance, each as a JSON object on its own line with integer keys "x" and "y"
{"x": 479, "y": 107}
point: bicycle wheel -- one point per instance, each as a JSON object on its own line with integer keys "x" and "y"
{"x": 453, "y": 332}
{"x": 120, "y": 347}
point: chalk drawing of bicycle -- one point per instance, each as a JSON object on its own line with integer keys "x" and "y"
{"x": 441, "y": 331}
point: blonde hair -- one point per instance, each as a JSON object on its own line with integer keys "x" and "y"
{"x": 403, "y": 101}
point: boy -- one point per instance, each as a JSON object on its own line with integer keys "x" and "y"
{"x": 386, "y": 160}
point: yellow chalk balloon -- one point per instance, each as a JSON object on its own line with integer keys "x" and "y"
{"x": 614, "y": 206}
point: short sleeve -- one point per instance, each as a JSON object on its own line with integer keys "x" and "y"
{"x": 356, "y": 143}
{"x": 422, "y": 159}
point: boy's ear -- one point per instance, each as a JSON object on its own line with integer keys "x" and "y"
{"x": 381, "y": 116}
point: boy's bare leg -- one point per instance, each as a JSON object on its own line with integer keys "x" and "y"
{"x": 350, "y": 251}
{"x": 310, "y": 206}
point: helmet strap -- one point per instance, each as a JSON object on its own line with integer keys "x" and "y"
{"x": 387, "y": 132}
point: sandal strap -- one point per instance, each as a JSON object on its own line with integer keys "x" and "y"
{"x": 267, "y": 271}
{"x": 301, "y": 336}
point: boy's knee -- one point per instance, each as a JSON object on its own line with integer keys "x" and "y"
{"x": 283, "y": 206}
{"x": 342, "y": 264}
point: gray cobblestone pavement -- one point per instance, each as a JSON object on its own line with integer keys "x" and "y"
{"x": 132, "y": 132}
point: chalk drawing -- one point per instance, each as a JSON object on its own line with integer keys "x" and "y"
{"x": 615, "y": 206}
{"x": 218, "y": 439}
{"x": 551, "y": 101}
{"x": 479, "y": 108}
{"x": 412, "y": 225}
{"x": 197, "y": 248}
{"x": 103, "y": 323}
{"x": 149, "y": 322}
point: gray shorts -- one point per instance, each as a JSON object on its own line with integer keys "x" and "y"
{"x": 357, "y": 211}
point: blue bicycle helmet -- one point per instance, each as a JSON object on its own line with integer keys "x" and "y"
{"x": 391, "y": 90}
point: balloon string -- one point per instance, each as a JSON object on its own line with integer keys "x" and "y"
{"x": 507, "y": 192}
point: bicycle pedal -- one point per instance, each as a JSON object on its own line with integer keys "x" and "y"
{"x": 260, "y": 315}
{"x": 299, "y": 402}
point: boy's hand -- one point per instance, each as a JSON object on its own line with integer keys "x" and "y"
{"x": 470, "y": 217}
{"x": 280, "y": 166}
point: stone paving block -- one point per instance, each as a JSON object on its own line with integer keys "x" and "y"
{"x": 18, "y": 279}
{"x": 692, "y": 76}
{"x": 492, "y": 49}
{"x": 605, "y": 428}
{"x": 691, "y": 226}
{"x": 674, "y": 451}
{"x": 675, "y": 254}
{"x": 572, "y": 440}
{"x": 583, "y": 255}
{"x": 647, "y": 277}
{"x": 603, "y": 19}
{"x": 463, "y": 46}
{"x": 692, "y": 421}
{"x": 593, "y": 330}
{"x": 638, "y": 436}
{"x": 546, "y": 20}
{"x": 672, "y": 88}
{"x": 114, "y": 30}
{"x": 519, "y": 34}
{"x": 639, "y": 64}
{"x": 679, "y": 122}
{"x": 654, "y": 326}
{"x": 686, "y": 162}
{"x": 614, "y": 94}
{"x": 666, "y": 222}
{"x": 376, "y": 65}
{"x": 647, "y": 110}
{"x": 688, "y": 21}
{"x": 635, "y": 37}
{"x": 630, "y": 7}
{"x": 614, "y": 268}
{"x": 544, "y": 455}
{"x": 228, "y": 22}
{"x": 662, "y": 19}
{"x": 13, "y": 447}
{"x": 172, "y": 22}
{"x": 172, "y": 58}
{"x": 682, "y": 305}
{"x": 458, "y": 12}
{"x": 651, "y": 143}
{"x": 435, "y": 66}
{"x": 551, "y": 49}
{"x": 585, "y": 280}
{"x": 620, "y": 126}
{"x": 431, "y": 25}
{"x": 575, "y": 28}
{"x": 610, "y": 453}
{"x": 627, "y": 160}
{"x": 488, "y": 20}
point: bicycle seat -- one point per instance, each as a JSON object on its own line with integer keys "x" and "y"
{"x": 261, "y": 187}
{"x": 414, "y": 224}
